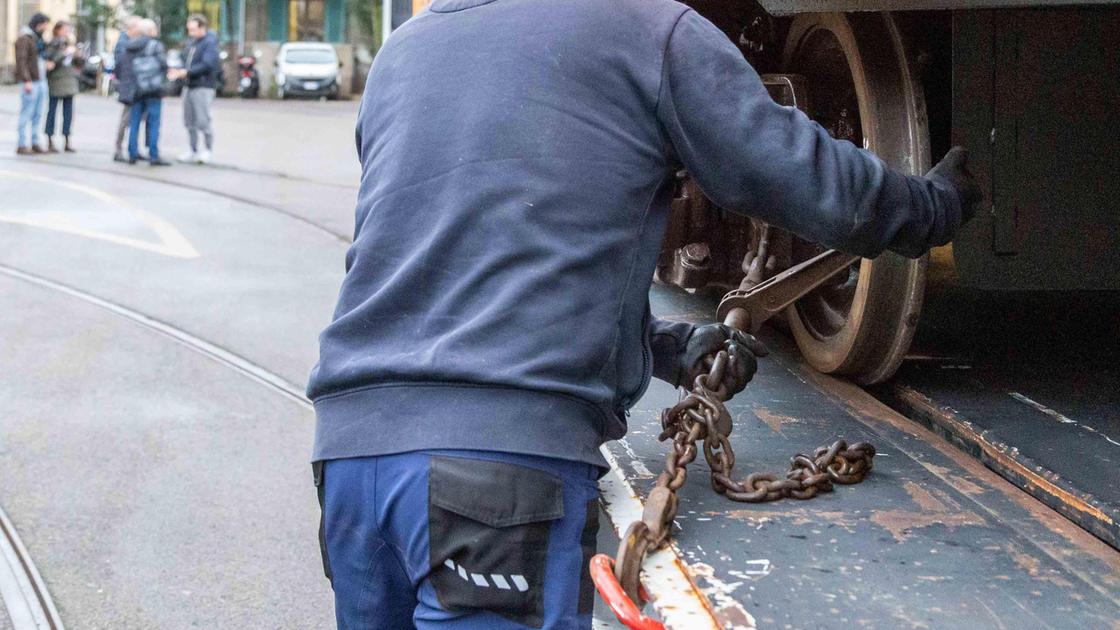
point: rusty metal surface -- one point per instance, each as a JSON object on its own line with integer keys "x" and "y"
{"x": 701, "y": 423}
{"x": 676, "y": 597}
{"x": 1040, "y": 408}
{"x": 774, "y": 295}
{"x": 790, "y": 7}
{"x": 930, "y": 539}
{"x": 1071, "y": 452}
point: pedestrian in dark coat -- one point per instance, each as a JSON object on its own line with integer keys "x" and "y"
{"x": 131, "y": 30}
{"x": 201, "y": 70}
{"x": 144, "y": 64}
{"x": 62, "y": 83}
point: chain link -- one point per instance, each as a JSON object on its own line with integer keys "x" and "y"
{"x": 702, "y": 417}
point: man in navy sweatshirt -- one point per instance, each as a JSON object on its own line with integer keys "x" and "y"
{"x": 493, "y": 326}
{"x": 201, "y": 69}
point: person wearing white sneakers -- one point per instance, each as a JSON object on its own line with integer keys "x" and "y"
{"x": 201, "y": 69}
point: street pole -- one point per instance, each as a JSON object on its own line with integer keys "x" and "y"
{"x": 241, "y": 27}
{"x": 386, "y": 20}
{"x": 100, "y": 31}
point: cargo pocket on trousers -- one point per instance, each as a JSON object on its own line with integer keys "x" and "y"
{"x": 317, "y": 474}
{"x": 488, "y": 530}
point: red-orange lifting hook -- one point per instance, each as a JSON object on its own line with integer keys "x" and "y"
{"x": 602, "y": 574}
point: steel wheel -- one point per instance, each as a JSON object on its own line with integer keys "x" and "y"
{"x": 860, "y": 88}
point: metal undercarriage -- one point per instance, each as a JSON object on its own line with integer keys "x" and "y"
{"x": 931, "y": 539}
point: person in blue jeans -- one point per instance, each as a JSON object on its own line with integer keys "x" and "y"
{"x": 493, "y": 328}
{"x": 147, "y": 60}
{"x": 31, "y": 72}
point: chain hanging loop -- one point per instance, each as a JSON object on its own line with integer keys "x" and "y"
{"x": 702, "y": 416}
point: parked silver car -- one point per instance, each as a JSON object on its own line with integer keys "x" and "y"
{"x": 307, "y": 69}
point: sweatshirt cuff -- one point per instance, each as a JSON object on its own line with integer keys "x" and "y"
{"x": 667, "y": 342}
{"x": 917, "y": 212}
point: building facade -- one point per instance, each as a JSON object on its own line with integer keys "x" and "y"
{"x": 15, "y": 14}
{"x": 356, "y": 27}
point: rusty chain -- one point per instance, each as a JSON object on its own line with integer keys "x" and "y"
{"x": 702, "y": 417}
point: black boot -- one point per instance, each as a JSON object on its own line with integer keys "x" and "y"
{"x": 69, "y": 148}
{"x": 50, "y": 145}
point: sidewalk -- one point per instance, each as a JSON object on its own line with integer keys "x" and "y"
{"x": 254, "y": 144}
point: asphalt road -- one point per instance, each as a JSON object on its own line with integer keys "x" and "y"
{"x": 155, "y": 326}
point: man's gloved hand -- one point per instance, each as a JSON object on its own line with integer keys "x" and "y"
{"x": 953, "y": 168}
{"x": 742, "y": 349}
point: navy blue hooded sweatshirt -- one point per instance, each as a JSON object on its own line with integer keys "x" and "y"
{"x": 517, "y": 167}
{"x": 202, "y": 61}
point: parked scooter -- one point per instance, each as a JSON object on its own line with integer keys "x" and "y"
{"x": 249, "y": 81}
{"x": 90, "y": 68}
{"x": 90, "y": 74}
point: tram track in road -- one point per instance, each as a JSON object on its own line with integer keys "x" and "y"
{"x": 229, "y": 359}
{"x": 25, "y": 593}
{"x": 22, "y": 590}
{"x": 256, "y": 203}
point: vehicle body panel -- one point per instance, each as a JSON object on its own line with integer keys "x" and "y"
{"x": 790, "y": 7}
{"x": 1036, "y": 99}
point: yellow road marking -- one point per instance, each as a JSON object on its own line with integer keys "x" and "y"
{"x": 171, "y": 242}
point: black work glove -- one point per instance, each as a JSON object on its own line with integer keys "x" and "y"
{"x": 742, "y": 349}
{"x": 953, "y": 169}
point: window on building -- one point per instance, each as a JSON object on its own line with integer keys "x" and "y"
{"x": 212, "y": 9}
{"x": 26, "y": 8}
{"x": 306, "y": 20}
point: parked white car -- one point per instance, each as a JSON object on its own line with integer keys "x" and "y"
{"x": 307, "y": 69}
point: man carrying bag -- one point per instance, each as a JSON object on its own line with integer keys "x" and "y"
{"x": 147, "y": 59}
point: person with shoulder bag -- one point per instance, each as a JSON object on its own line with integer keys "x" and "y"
{"x": 146, "y": 60}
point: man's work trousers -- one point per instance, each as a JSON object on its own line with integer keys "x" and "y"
{"x": 67, "y": 114}
{"x": 196, "y": 115}
{"x": 455, "y": 540}
{"x": 30, "y": 111}
{"x": 148, "y": 107}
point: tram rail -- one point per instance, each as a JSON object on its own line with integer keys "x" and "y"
{"x": 195, "y": 343}
{"x": 22, "y": 590}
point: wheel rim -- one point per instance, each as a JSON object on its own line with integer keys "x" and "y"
{"x": 835, "y": 105}
{"x": 860, "y": 90}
